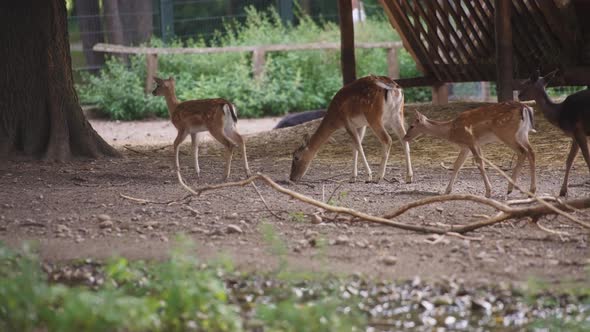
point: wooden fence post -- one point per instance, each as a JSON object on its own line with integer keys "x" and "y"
{"x": 151, "y": 62}
{"x": 440, "y": 94}
{"x": 258, "y": 61}
{"x": 392, "y": 63}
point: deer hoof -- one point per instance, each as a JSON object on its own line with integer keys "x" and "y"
{"x": 488, "y": 194}
{"x": 352, "y": 179}
{"x": 563, "y": 192}
{"x": 409, "y": 178}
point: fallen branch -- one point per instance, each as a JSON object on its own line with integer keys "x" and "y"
{"x": 506, "y": 211}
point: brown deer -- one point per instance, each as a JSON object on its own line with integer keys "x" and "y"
{"x": 375, "y": 101}
{"x": 218, "y": 116}
{"x": 572, "y": 116}
{"x": 508, "y": 122}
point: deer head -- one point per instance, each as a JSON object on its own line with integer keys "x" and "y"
{"x": 535, "y": 85}
{"x": 301, "y": 160}
{"x": 163, "y": 86}
{"x": 417, "y": 128}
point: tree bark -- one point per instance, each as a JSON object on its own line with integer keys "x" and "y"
{"x": 90, "y": 32}
{"x": 137, "y": 19}
{"x": 113, "y": 22}
{"x": 39, "y": 111}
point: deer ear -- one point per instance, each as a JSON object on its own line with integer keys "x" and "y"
{"x": 170, "y": 78}
{"x": 535, "y": 75}
{"x": 306, "y": 139}
{"x": 420, "y": 117}
{"x": 158, "y": 80}
{"x": 547, "y": 78}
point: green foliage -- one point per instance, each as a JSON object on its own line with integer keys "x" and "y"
{"x": 174, "y": 295}
{"x": 292, "y": 81}
{"x": 298, "y": 216}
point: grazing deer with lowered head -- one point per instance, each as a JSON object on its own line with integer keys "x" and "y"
{"x": 508, "y": 122}
{"x": 572, "y": 116}
{"x": 375, "y": 101}
{"x": 218, "y": 116}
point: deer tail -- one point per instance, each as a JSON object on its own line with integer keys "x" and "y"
{"x": 230, "y": 109}
{"x": 528, "y": 116}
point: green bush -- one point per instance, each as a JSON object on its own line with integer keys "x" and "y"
{"x": 292, "y": 81}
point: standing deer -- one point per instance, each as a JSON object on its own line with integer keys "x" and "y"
{"x": 572, "y": 116}
{"x": 218, "y": 116}
{"x": 508, "y": 122}
{"x": 375, "y": 101}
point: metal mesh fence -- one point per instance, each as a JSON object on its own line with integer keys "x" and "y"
{"x": 132, "y": 22}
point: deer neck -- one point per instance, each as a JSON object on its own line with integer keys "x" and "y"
{"x": 321, "y": 135}
{"x": 171, "y": 101}
{"x": 440, "y": 129}
{"x": 549, "y": 108}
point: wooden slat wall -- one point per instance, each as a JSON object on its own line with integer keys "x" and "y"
{"x": 453, "y": 40}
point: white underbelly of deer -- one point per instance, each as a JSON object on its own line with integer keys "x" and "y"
{"x": 359, "y": 121}
{"x": 488, "y": 138}
{"x": 197, "y": 129}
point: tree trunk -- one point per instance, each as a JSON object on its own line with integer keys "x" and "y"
{"x": 137, "y": 19}
{"x": 113, "y": 22}
{"x": 39, "y": 111}
{"x": 90, "y": 32}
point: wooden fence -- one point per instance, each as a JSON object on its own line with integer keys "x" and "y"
{"x": 258, "y": 54}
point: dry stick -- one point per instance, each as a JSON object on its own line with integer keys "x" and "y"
{"x": 308, "y": 200}
{"x": 551, "y": 231}
{"x": 136, "y": 151}
{"x": 551, "y": 207}
{"x": 334, "y": 191}
{"x": 145, "y": 201}
{"x": 264, "y": 202}
{"x": 445, "y": 198}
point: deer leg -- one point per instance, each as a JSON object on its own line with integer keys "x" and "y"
{"x": 582, "y": 140}
{"x": 219, "y": 135}
{"x": 179, "y": 138}
{"x": 476, "y": 151}
{"x": 385, "y": 140}
{"x": 516, "y": 171}
{"x": 568, "y": 165}
{"x": 195, "y": 145}
{"x": 456, "y": 168}
{"x": 355, "y": 153}
{"x": 356, "y": 140}
{"x": 237, "y": 138}
{"x": 400, "y": 132}
{"x": 531, "y": 157}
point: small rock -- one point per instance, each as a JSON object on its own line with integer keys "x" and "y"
{"x": 450, "y": 320}
{"x": 389, "y": 260}
{"x": 232, "y": 229}
{"x": 439, "y": 209}
{"x": 163, "y": 238}
{"x": 361, "y": 244}
{"x": 105, "y": 224}
{"x": 342, "y": 240}
{"x": 197, "y": 230}
{"x": 233, "y": 216}
{"x": 316, "y": 219}
{"x": 103, "y": 217}
{"x": 310, "y": 234}
{"x": 62, "y": 229}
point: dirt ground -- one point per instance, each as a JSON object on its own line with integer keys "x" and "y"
{"x": 77, "y": 210}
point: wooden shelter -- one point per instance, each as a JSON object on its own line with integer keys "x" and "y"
{"x": 486, "y": 40}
